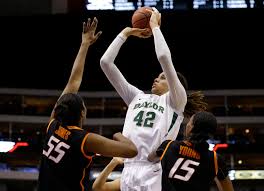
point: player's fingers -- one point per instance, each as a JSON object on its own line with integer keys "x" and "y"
{"x": 94, "y": 23}
{"x": 84, "y": 27}
{"x": 155, "y": 10}
{"x": 88, "y": 22}
{"x": 146, "y": 31}
{"x": 146, "y": 35}
{"x": 149, "y": 10}
{"x": 140, "y": 30}
{"x": 98, "y": 34}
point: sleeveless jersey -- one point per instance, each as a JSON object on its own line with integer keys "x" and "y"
{"x": 64, "y": 165}
{"x": 149, "y": 119}
{"x": 185, "y": 169}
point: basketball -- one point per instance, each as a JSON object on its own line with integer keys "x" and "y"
{"x": 140, "y": 18}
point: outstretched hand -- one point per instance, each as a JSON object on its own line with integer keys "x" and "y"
{"x": 141, "y": 33}
{"x": 89, "y": 28}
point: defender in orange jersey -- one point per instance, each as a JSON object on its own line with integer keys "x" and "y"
{"x": 188, "y": 165}
{"x": 68, "y": 149}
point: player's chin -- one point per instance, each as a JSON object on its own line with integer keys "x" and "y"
{"x": 153, "y": 90}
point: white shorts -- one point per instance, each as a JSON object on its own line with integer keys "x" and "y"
{"x": 141, "y": 176}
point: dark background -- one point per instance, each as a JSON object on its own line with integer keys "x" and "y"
{"x": 214, "y": 49}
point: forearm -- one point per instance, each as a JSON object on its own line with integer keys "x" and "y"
{"x": 161, "y": 47}
{"x": 121, "y": 138}
{"x": 102, "y": 178}
{"x": 109, "y": 56}
{"x": 75, "y": 79}
{"x": 126, "y": 142}
{"x": 124, "y": 89}
{"x": 78, "y": 66}
{"x": 177, "y": 92}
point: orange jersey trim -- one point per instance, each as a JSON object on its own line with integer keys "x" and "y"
{"x": 49, "y": 125}
{"x": 215, "y": 163}
{"x": 86, "y": 156}
{"x": 165, "y": 150}
{"x": 74, "y": 127}
{"x": 81, "y": 182}
{"x": 82, "y": 147}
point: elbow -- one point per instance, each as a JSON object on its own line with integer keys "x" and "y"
{"x": 103, "y": 62}
{"x": 132, "y": 152}
{"x": 164, "y": 57}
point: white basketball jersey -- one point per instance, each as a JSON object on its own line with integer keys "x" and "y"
{"x": 149, "y": 119}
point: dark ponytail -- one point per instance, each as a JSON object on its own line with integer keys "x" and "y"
{"x": 195, "y": 100}
{"x": 195, "y": 103}
{"x": 68, "y": 110}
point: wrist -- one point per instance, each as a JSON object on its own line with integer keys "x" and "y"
{"x": 123, "y": 36}
{"x": 155, "y": 27}
{"x": 85, "y": 44}
{"x": 125, "y": 33}
{"x": 114, "y": 162}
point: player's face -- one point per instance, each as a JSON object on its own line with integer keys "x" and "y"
{"x": 160, "y": 85}
{"x": 189, "y": 127}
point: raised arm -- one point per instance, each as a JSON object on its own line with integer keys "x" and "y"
{"x": 119, "y": 147}
{"x": 88, "y": 38}
{"x": 124, "y": 89}
{"x": 177, "y": 93}
{"x": 100, "y": 183}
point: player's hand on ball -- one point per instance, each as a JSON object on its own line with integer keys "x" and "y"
{"x": 155, "y": 19}
{"x": 141, "y": 33}
{"x": 88, "y": 34}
